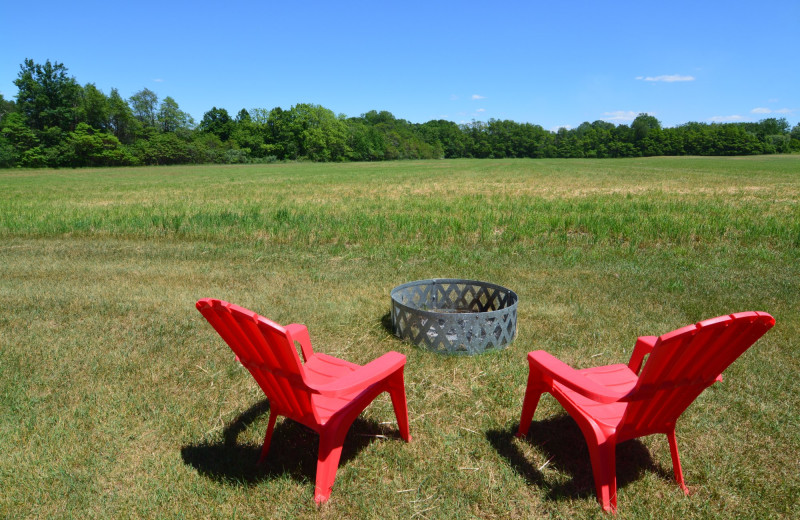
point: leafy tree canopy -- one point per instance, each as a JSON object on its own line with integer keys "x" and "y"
{"x": 57, "y": 122}
{"x": 47, "y": 97}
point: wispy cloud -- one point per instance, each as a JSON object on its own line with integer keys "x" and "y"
{"x": 667, "y": 78}
{"x": 481, "y": 110}
{"x": 620, "y": 115}
{"x": 158, "y": 80}
{"x": 454, "y": 97}
{"x": 726, "y": 119}
{"x": 478, "y": 96}
{"x": 762, "y": 110}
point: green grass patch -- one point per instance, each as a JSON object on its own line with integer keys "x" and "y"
{"x": 120, "y": 401}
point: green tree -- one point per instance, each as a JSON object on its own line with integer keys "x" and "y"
{"x": 121, "y": 120}
{"x": 143, "y": 104}
{"x": 259, "y": 116}
{"x": 767, "y": 127}
{"x": 27, "y": 150}
{"x": 648, "y": 136}
{"x": 248, "y": 138}
{"x": 171, "y": 118}
{"x": 795, "y": 135}
{"x": 621, "y": 143}
{"x": 7, "y": 153}
{"x": 776, "y": 136}
{"x": 217, "y": 121}
{"x": 448, "y": 136}
{"x": 278, "y": 138}
{"x": 401, "y": 139}
{"x": 376, "y": 118}
{"x": 47, "y": 96}
{"x": 478, "y": 137}
{"x": 643, "y": 125}
{"x": 207, "y": 148}
{"x": 94, "y": 109}
{"x": 243, "y": 116}
{"x": 365, "y": 142}
{"x": 317, "y": 133}
{"x": 163, "y": 148}
{"x": 595, "y": 139}
{"x": 88, "y": 147}
{"x": 7, "y": 106}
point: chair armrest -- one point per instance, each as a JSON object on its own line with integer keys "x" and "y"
{"x": 299, "y": 333}
{"x": 555, "y": 369}
{"x": 364, "y": 376}
{"x": 644, "y": 345}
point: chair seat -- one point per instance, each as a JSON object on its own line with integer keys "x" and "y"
{"x": 618, "y": 377}
{"x": 321, "y": 369}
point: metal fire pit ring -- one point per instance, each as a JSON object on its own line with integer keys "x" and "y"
{"x": 455, "y": 316}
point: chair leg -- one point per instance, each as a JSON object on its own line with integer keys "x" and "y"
{"x": 330, "y": 451}
{"x": 676, "y": 461}
{"x": 268, "y": 437}
{"x": 532, "y": 394}
{"x": 397, "y": 391}
{"x": 604, "y": 469}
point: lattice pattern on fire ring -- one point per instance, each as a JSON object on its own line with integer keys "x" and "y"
{"x": 455, "y": 316}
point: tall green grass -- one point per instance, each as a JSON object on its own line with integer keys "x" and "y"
{"x": 513, "y": 204}
{"x": 119, "y": 401}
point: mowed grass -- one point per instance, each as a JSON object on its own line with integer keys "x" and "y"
{"x": 119, "y": 401}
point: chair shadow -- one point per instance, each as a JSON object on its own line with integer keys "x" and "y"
{"x": 561, "y": 442}
{"x": 293, "y": 450}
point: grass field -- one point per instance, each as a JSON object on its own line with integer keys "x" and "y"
{"x": 119, "y": 401}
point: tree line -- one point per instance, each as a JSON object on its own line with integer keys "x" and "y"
{"x": 57, "y": 122}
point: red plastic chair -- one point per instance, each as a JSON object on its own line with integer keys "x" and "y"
{"x": 615, "y": 403}
{"x": 323, "y": 392}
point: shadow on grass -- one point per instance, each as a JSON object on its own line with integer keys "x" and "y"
{"x": 561, "y": 442}
{"x": 293, "y": 450}
{"x": 386, "y": 321}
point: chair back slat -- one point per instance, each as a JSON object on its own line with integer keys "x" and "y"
{"x": 263, "y": 347}
{"x": 685, "y": 362}
{"x": 284, "y": 392}
{"x": 219, "y": 317}
{"x": 288, "y": 368}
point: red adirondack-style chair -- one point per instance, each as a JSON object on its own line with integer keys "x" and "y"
{"x": 615, "y": 403}
{"x": 324, "y": 393}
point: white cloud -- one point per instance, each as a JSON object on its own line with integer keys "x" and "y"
{"x": 478, "y": 96}
{"x": 481, "y": 110}
{"x": 557, "y": 128}
{"x": 158, "y": 80}
{"x": 620, "y": 115}
{"x": 667, "y": 78}
{"x": 726, "y": 119}
{"x": 762, "y": 110}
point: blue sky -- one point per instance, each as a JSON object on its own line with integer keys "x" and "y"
{"x": 554, "y": 63}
